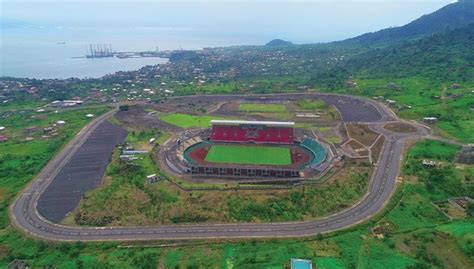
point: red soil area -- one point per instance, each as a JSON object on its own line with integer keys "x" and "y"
{"x": 199, "y": 154}
{"x": 299, "y": 157}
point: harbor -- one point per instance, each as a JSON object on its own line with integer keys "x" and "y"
{"x": 106, "y": 51}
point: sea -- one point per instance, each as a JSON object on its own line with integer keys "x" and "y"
{"x": 45, "y": 52}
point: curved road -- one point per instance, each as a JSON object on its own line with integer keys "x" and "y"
{"x": 25, "y": 216}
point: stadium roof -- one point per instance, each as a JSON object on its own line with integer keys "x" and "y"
{"x": 247, "y": 122}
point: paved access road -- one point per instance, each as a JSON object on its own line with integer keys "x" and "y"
{"x": 26, "y": 217}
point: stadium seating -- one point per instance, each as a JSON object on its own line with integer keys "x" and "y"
{"x": 257, "y": 134}
{"x": 318, "y": 150}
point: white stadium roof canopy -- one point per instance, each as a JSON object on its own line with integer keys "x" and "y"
{"x": 247, "y": 122}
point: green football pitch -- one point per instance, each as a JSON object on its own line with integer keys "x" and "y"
{"x": 260, "y": 155}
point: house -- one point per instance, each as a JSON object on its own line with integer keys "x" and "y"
{"x": 131, "y": 152}
{"x": 152, "y": 178}
{"x": 301, "y": 264}
{"x": 391, "y": 102}
{"x": 455, "y": 86}
{"x": 466, "y": 155}
{"x": 47, "y": 130}
{"x": 127, "y": 158}
{"x": 66, "y": 103}
{"x": 430, "y": 120}
{"x": 351, "y": 84}
{"x": 3, "y": 138}
{"x": 31, "y": 130}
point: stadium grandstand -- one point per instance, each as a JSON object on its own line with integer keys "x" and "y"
{"x": 249, "y": 149}
{"x": 252, "y": 131}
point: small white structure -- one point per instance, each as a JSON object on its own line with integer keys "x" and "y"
{"x": 127, "y": 158}
{"x": 151, "y": 140}
{"x": 151, "y": 177}
{"x": 307, "y": 115}
{"x": 66, "y": 103}
{"x": 132, "y": 152}
{"x": 430, "y": 120}
{"x": 90, "y": 115}
{"x": 2, "y": 128}
{"x": 60, "y": 122}
{"x": 40, "y": 110}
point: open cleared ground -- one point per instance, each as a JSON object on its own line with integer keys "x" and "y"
{"x": 260, "y": 155}
{"x": 362, "y": 134}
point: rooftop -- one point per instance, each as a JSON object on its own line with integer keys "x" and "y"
{"x": 246, "y": 122}
{"x": 301, "y": 264}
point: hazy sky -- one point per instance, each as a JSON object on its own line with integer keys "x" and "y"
{"x": 298, "y": 21}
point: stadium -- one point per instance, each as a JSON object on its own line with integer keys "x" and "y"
{"x": 247, "y": 149}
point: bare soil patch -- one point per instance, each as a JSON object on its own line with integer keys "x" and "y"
{"x": 362, "y": 133}
{"x": 398, "y": 127}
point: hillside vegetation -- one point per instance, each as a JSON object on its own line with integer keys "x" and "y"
{"x": 452, "y": 16}
{"x": 442, "y": 57}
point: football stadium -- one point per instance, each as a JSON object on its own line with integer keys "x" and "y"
{"x": 238, "y": 148}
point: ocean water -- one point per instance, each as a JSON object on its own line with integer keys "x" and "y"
{"x": 31, "y": 30}
{"x": 39, "y": 52}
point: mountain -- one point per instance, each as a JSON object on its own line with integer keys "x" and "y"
{"x": 278, "y": 43}
{"x": 443, "y": 56}
{"x": 447, "y": 18}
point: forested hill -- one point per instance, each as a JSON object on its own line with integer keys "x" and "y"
{"x": 446, "y": 56}
{"x": 452, "y": 16}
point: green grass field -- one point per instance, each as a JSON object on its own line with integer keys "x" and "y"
{"x": 250, "y": 107}
{"x": 307, "y": 104}
{"x": 249, "y": 155}
{"x": 189, "y": 121}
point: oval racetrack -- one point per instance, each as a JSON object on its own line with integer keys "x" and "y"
{"x": 26, "y": 217}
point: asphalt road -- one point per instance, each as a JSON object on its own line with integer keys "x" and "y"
{"x": 25, "y": 216}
